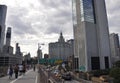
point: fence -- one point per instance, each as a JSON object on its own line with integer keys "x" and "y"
{"x": 47, "y": 77}
{"x": 3, "y": 71}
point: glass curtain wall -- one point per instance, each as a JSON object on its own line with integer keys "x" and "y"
{"x": 87, "y": 10}
{"x": 74, "y": 15}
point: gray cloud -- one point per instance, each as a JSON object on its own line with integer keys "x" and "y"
{"x": 20, "y": 27}
{"x": 54, "y": 4}
{"x": 17, "y": 21}
{"x": 113, "y": 15}
{"x": 58, "y": 15}
{"x": 49, "y": 17}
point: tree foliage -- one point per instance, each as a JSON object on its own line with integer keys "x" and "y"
{"x": 117, "y": 64}
{"x": 115, "y": 73}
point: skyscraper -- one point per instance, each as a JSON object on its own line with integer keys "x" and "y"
{"x": 115, "y": 47}
{"x": 3, "y": 10}
{"x": 8, "y": 36}
{"x": 92, "y": 45}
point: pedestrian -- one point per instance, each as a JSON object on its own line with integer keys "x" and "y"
{"x": 34, "y": 67}
{"x": 20, "y": 69}
{"x": 16, "y": 69}
{"x": 10, "y": 72}
{"x": 24, "y": 69}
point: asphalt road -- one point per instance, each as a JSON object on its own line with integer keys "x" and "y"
{"x": 29, "y": 77}
{"x": 72, "y": 81}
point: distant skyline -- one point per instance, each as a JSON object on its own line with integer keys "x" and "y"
{"x": 41, "y": 21}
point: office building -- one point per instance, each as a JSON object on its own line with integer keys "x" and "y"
{"x": 3, "y": 10}
{"x": 115, "y": 47}
{"x": 8, "y": 36}
{"x": 60, "y": 49}
{"x": 91, "y": 35}
{"x": 39, "y": 52}
{"x": 6, "y": 50}
{"x": 6, "y": 56}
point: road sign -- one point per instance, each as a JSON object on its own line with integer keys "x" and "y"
{"x": 82, "y": 68}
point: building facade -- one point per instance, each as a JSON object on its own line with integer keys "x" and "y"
{"x": 6, "y": 50}
{"x": 115, "y": 47}
{"x": 39, "y": 53}
{"x": 60, "y": 49}
{"x": 3, "y": 10}
{"x": 91, "y": 35}
{"x": 6, "y": 56}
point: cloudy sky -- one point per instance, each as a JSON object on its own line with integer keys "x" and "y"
{"x": 41, "y": 21}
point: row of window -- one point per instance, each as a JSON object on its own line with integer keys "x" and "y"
{"x": 86, "y": 11}
{"x": 95, "y": 63}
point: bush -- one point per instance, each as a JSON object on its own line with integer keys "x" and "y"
{"x": 98, "y": 73}
{"x": 115, "y": 73}
{"x": 117, "y": 64}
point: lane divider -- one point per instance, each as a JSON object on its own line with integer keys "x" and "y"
{"x": 36, "y": 79}
{"x": 19, "y": 77}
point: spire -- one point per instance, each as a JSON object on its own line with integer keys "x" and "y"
{"x": 61, "y": 39}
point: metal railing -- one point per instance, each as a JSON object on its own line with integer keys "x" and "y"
{"x": 47, "y": 77}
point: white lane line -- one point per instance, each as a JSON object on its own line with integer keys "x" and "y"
{"x": 36, "y": 79}
{"x": 16, "y": 79}
{"x": 19, "y": 77}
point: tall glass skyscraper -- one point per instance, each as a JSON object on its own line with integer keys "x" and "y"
{"x": 92, "y": 45}
{"x": 3, "y": 10}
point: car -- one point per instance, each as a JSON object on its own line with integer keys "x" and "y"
{"x": 66, "y": 76}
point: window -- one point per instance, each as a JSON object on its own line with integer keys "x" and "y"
{"x": 95, "y": 63}
{"x": 8, "y": 35}
{"x": 74, "y": 15}
{"x": 76, "y": 63}
{"x": 87, "y": 10}
{"x": 0, "y": 32}
{"x": 106, "y": 62}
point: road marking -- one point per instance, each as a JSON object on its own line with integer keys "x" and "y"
{"x": 36, "y": 79}
{"x": 16, "y": 79}
{"x": 19, "y": 77}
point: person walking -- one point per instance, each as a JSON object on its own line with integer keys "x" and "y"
{"x": 20, "y": 69}
{"x": 10, "y": 72}
{"x": 34, "y": 67}
{"x": 16, "y": 69}
{"x": 24, "y": 69}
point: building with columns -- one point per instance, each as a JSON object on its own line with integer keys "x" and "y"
{"x": 60, "y": 49}
{"x": 91, "y": 35}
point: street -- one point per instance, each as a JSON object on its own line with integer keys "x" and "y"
{"x": 29, "y": 77}
{"x": 72, "y": 81}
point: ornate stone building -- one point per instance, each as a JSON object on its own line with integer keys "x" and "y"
{"x": 60, "y": 49}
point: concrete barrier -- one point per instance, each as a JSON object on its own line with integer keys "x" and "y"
{"x": 47, "y": 77}
{"x": 3, "y": 71}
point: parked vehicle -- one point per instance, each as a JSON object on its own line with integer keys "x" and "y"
{"x": 67, "y": 76}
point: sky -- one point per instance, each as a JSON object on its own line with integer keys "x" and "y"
{"x": 41, "y": 21}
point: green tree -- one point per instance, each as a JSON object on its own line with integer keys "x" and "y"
{"x": 117, "y": 64}
{"x": 115, "y": 73}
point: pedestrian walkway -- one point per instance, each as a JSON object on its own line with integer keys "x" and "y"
{"x": 30, "y": 77}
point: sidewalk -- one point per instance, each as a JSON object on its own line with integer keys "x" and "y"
{"x": 30, "y": 77}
